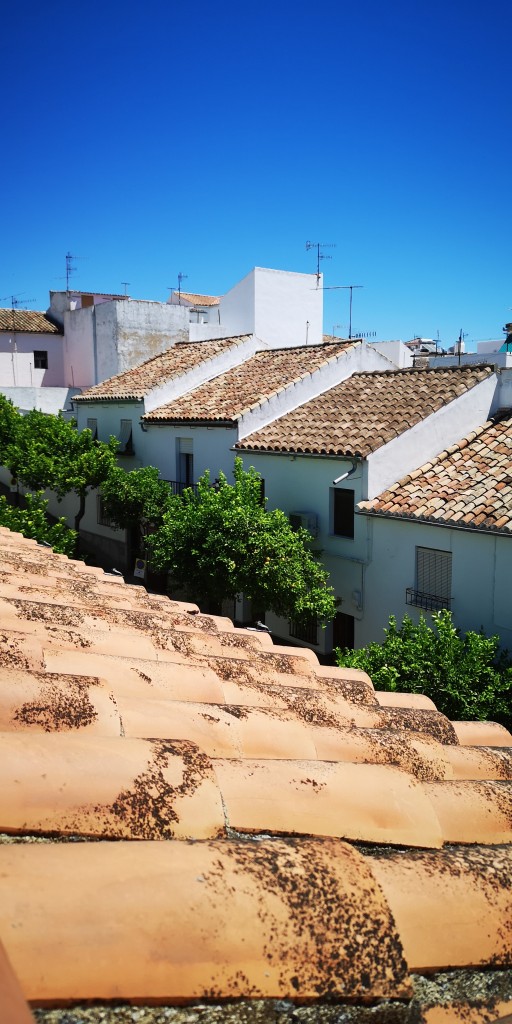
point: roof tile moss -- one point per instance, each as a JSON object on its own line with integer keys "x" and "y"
{"x": 277, "y": 830}
{"x": 364, "y": 412}
{"x": 178, "y": 359}
{"x": 244, "y": 387}
{"x": 27, "y": 321}
{"x": 470, "y": 482}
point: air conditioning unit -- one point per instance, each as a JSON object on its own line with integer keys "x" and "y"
{"x": 308, "y": 521}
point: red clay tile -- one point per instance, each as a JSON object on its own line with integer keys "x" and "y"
{"x": 473, "y": 812}
{"x": 482, "y": 734}
{"x": 96, "y": 786}
{"x": 372, "y": 803}
{"x": 13, "y": 1007}
{"x": 174, "y": 922}
{"x": 453, "y": 908}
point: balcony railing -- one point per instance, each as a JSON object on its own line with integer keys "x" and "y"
{"x": 429, "y": 602}
{"x": 177, "y": 486}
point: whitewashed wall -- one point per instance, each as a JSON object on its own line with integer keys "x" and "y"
{"x": 276, "y": 305}
{"x": 481, "y": 574}
{"x": 17, "y": 360}
{"x": 114, "y": 336}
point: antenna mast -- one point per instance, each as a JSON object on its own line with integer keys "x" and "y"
{"x": 320, "y": 255}
{"x": 70, "y": 269}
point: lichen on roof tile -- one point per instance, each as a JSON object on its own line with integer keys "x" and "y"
{"x": 196, "y": 750}
{"x": 243, "y": 387}
{"x": 364, "y": 412}
{"x": 479, "y": 496}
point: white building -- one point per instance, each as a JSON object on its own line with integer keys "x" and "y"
{"x": 32, "y": 356}
{"x": 184, "y": 410}
{"x": 346, "y": 446}
{"x": 442, "y": 537}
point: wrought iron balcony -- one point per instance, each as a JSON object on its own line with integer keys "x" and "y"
{"x": 429, "y": 602}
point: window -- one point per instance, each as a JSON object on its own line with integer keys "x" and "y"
{"x": 185, "y": 461}
{"x": 304, "y": 629}
{"x": 125, "y": 438}
{"x": 343, "y": 631}
{"x": 343, "y": 512}
{"x": 101, "y": 516}
{"x": 40, "y": 359}
{"x": 433, "y": 580}
{"x": 92, "y": 425}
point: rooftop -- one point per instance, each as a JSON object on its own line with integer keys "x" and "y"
{"x": 468, "y": 484}
{"x": 194, "y": 818}
{"x": 27, "y": 321}
{"x": 178, "y": 359}
{"x": 366, "y": 411}
{"x": 235, "y": 392}
{"x": 199, "y": 300}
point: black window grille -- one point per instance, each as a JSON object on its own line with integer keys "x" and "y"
{"x": 433, "y": 580}
{"x": 40, "y": 359}
{"x": 305, "y": 629}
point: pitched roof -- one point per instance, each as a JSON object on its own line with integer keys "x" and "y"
{"x": 27, "y": 321}
{"x": 366, "y": 411}
{"x": 228, "y": 396}
{"x": 468, "y": 484}
{"x": 200, "y": 300}
{"x": 139, "y": 381}
{"x": 277, "y": 830}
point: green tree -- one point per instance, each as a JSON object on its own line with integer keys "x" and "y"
{"x": 32, "y": 521}
{"x": 467, "y": 676}
{"x": 47, "y": 452}
{"x": 136, "y": 500}
{"x": 221, "y": 541}
{"x": 10, "y": 420}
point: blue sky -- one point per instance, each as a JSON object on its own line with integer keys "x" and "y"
{"x": 156, "y": 138}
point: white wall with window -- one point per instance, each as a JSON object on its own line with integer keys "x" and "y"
{"x": 417, "y": 568}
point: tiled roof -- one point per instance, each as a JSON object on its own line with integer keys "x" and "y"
{"x": 469, "y": 484}
{"x": 179, "y": 359}
{"x": 364, "y": 412}
{"x": 229, "y": 395}
{"x": 200, "y": 300}
{"x": 190, "y": 815}
{"x": 27, "y": 321}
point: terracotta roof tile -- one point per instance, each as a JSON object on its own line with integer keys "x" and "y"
{"x": 135, "y": 384}
{"x": 200, "y": 300}
{"x": 27, "y": 321}
{"x": 470, "y": 482}
{"x": 364, "y": 412}
{"x": 197, "y": 750}
{"x": 229, "y": 395}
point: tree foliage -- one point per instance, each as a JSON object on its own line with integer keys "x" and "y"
{"x": 221, "y": 541}
{"x": 10, "y": 420}
{"x": 136, "y": 500}
{"x": 47, "y": 452}
{"x": 32, "y": 521}
{"x": 467, "y": 676}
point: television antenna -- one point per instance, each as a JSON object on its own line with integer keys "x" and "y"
{"x": 320, "y": 255}
{"x": 335, "y": 327}
{"x": 126, "y": 285}
{"x": 70, "y": 269}
{"x": 181, "y": 277}
{"x": 338, "y": 287}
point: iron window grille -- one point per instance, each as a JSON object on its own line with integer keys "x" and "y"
{"x": 433, "y": 580}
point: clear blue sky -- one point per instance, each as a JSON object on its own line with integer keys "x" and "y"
{"x": 210, "y": 138}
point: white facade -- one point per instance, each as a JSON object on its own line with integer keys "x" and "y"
{"x": 297, "y": 483}
{"x": 111, "y": 337}
{"x": 31, "y": 359}
{"x": 282, "y": 308}
{"x": 481, "y": 571}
